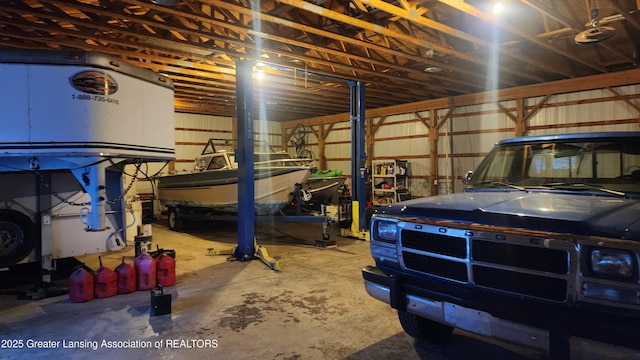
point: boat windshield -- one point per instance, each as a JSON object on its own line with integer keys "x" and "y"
{"x": 211, "y": 162}
{"x": 611, "y": 166}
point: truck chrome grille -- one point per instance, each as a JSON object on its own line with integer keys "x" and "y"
{"x": 437, "y": 243}
{"x": 526, "y": 284}
{"x": 527, "y": 257}
{"x": 440, "y": 267}
{"x": 514, "y": 264}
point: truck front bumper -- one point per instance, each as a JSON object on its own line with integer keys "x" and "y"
{"x": 530, "y": 323}
{"x": 475, "y": 321}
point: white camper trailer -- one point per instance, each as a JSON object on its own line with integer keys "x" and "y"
{"x": 71, "y": 122}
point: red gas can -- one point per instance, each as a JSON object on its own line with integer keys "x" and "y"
{"x": 105, "y": 281}
{"x": 166, "y": 270}
{"x": 81, "y": 285}
{"x": 126, "y": 278}
{"x": 145, "y": 266}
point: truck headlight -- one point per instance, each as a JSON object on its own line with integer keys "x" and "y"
{"x": 612, "y": 262}
{"x": 386, "y": 231}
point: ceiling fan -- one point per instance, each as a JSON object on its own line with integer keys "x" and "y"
{"x": 596, "y": 33}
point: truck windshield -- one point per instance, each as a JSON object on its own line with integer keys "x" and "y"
{"x": 609, "y": 166}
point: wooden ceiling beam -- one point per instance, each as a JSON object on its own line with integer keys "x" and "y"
{"x": 336, "y": 16}
{"x": 340, "y": 38}
{"x": 346, "y": 67}
{"x": 423, "y": 21}
{"x": 468, "y": 9}
{"x": 313, "y": 48}
{"x": 624, "y": 11}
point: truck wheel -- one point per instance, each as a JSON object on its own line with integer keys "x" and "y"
{"x": 424, "y": 329}
{"x": 17, "y": 237}
{"x": 175, "y": 222}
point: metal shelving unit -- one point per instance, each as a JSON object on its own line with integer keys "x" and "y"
{"x": 390, "y": 181}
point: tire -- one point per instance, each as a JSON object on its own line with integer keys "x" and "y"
{"x": 174, "y": 220}
{"x": 424, "y": 329}
{"x": 17, "y": 237}
{"x": 299, "y": 132}
{"x": 305, "y": 154}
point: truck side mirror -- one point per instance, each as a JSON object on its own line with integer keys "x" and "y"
{"x": 467, "y": 179}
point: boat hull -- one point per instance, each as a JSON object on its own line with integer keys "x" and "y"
{"x": 217, "y": 191}
{"x": 324, "y": 189}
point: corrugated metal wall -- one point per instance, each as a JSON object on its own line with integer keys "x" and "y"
{"x": 587, "y": 111}
{"x": 192, "y": 134}
{"x": 338, "y": 148}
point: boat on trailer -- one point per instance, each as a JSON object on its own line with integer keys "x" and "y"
{"x": 212, "y": 185}
{"x": 324, "y": 185}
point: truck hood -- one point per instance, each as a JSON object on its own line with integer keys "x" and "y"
{"x": 581, "y": 214}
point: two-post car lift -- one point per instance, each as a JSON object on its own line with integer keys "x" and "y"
{"x": 247, "y": 248}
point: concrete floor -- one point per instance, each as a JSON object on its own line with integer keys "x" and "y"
{"x": 314, "y": 308}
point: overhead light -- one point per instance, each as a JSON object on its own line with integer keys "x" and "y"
{"x": 432, "y": 69}
{"x": 498, "y": 8}
{"x": 430, "y": 53}
{"x": 165, "y": 2}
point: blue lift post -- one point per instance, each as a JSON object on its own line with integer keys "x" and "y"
{"x": 247, "y": 248}
{"x": 358, "y": 227}
{"x": 245, "y": 157}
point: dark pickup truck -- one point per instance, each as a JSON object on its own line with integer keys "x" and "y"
{"x": 542, "y": 245}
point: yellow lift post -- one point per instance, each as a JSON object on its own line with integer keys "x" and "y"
{"x": 354, "y": 230}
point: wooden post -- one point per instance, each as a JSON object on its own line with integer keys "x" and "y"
{"x": 433, "y": 150}
{"x": 521, "y": 127}
{"x": 369, "y": 139}
{"x": 322, "y": 160}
